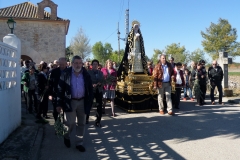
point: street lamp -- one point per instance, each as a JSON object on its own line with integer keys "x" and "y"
{"x": 107, "y": 51}
{"x": 106, "y": 55}
{"x": 11, "y": 24}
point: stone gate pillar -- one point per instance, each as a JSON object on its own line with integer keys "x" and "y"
{"x": 223, "y": 62}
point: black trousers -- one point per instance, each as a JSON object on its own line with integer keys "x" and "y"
{"x": 204, "y": 90}
{"x": 201, "y": 98}
{"x": 54, "y": 103}
{"x": 31, "y": 97}
{"x": 24, "y": 94}
{"x": 173, "y": 99}
{"x": 43, "y": 106}
{"x": 219, "y": 86}
{"x": 98, "y": 96}
{"x": 177, "y": 97}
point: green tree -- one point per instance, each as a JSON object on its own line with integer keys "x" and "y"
{"x": 102, "y": 52}
{"x": 197, "y": 55}
{"x": 68, "y": 53}
{"x": 147, "y": 58}
{"x": 219, "y": 37}
{"x": 178, "y": 52}
{"x": 155, "y": 56}
{"x": 80, "y": 44}
{"x": 114, "y": 56}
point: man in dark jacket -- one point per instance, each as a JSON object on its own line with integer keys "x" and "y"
{"x": 215, "y": 74}
{"x": 75, "y": 97}
{"x": 201, "y": 76}
{"x": 43, "y": 86}
{"x": 206, "y": 78}
{"x": 53, "y": 83}
{"x": 97, "y": 80}
{"x": 171, "y": 61}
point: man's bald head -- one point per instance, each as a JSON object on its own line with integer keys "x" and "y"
{"x": 214, "y": 64}
{"x": 62, "y": 63}
{"x": 193, "y": 64}
{"x": 55, "y": 62}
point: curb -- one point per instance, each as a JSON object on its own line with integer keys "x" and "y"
{"x": 36, "y": 146}
{"x": 234, "y": 101}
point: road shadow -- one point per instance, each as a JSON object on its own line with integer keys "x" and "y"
{"x": 144, "y": 135}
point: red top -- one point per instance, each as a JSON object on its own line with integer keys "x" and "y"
{"x": 113, "y": 83}
{"x": 150, "y": 70}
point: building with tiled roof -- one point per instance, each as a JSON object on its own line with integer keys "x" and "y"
{"x": 42, "y": 34}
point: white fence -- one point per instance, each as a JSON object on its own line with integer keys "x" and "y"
{"x": 10, "y": 92}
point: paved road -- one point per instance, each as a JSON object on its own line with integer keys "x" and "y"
{"x": 207, "y": 132}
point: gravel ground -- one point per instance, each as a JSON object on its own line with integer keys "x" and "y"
{"x": 234, "y": 79}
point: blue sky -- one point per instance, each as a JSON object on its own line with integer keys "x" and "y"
{"x": 163, "y": 22}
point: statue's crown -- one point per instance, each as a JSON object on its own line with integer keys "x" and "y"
{"x": 135, "y": 22}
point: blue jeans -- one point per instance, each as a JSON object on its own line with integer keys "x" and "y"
{"x": 185, "y": 92}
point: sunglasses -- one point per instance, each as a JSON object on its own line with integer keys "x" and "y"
{"x": 214, "y": 64}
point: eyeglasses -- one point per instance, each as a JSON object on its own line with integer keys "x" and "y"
{"x": 214, "y": 64}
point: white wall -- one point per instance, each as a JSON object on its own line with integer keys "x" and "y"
{"x": 10, "y": 90}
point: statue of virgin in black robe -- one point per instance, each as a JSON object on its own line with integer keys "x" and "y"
{"x": 134, "y": 42}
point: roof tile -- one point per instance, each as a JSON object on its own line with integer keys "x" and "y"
{"x": 24, "y": 10}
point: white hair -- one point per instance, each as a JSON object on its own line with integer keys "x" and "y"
{"x": 55, "y": 61}
{"x": 160, "y": 55}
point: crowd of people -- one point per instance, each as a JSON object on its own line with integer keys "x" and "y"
{"x": 169, "y": 75}
{"x": 75, "y": 87}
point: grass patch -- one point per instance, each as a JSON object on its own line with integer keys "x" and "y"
{"x": 234, "y": 73}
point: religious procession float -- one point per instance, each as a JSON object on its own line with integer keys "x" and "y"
{"x": 134, "y": 91}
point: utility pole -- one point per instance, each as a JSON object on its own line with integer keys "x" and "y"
{"x": 126, "y": 29}
{"x": 118, "y": 44}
